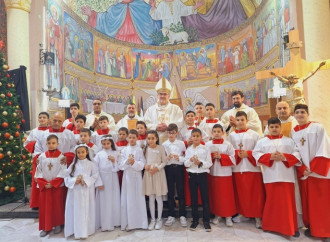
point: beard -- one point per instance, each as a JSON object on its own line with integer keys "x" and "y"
{"x": 237, "y": 105}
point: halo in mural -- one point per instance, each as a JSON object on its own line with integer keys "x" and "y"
{"x": 161, "y": 22}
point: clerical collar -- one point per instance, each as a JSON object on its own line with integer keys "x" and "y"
{"x": 211, "y": 121}
{"x": 217, "y": 141}
{"x": 241, "y": 131}
{"x": 103, "y": 131}
{"x": 142, "y": 136}
{"x": 43, "y": 128}
{"x": 51, "y": 130}
{"x": 90, "y": 144}
{"x": 274, "y": 136}
{"x": 301, "y": 127}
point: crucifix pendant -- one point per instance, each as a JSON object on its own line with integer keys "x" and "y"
{"x": 240, "y": 146}
{"x": 302, "y": 140}
{"x": 50, "y": 165}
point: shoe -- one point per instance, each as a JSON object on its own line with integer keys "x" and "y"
{"x": 194, "y": 225}
{"x": 215, "y": 221}
{"x": 308, "y": 233}
{"x": 159, "y": 224}
{"x": 207, "y": 227}
{"x": 127, "y": 229}
{"x": 170, "y": 220}
{"x": 229, "y": 223}
{"x": 43, "y": 233}
{"x": 57, "y": 229}
{"x": 183, "y": 221}
{"x": 296, "y": 234}
{"x": 326, "y": 240}
{"x": 152, "y": 224}
{"x": 258, "y": 223}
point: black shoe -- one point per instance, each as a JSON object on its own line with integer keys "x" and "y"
{"x": 296, "y": 234}
{"x": 194, "y": 225}
{"x": 308, "y": 233}
{"x": 207, "y": 227}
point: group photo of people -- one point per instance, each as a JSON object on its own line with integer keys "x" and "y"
{"x": 91, "y": 174}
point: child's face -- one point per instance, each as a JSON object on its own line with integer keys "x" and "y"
{"x": 132, "y": 139}
{"x": 43, "y": 120}
{"x": 199, "y": 110}
{"x": 141, "y": 129}
{"x": 210, "y": 112}
{"x": 172, "y": 135}
{"x": 122, "y": 135}
{"x": 52, "y": 144}
{"x": 85, "y": 138}
{"x": 274, "y": 129}
{"x": 241, "y": 122}
{"x": 103, "y": 124}
{"x": 106, "y": 144}
{"x": 196, "y": 138}
{"x": 74, "y": 111}
{"x": 190, "y": 118}
{"x": 301, "y": 116}
{"x": 82, "y": 153}
{"x": 79, "y": 123}
{"x": 217, "y": 133}
{"x": 152, "y": 139}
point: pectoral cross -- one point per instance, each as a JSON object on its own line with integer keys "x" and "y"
{"x": 50, "y": 166}
{"x": 302, "y": 140}
{"x": 240, "y": 146}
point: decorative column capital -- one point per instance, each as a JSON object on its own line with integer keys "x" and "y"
{"x": 24, "y": 5}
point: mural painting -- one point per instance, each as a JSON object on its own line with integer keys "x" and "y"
{"x": 55, "y": 45}
{"x": 112, "y": 60}
{"x": 159, "y": 22}
{"x": 196, "y": 63}
{"x": 265, "y": 27}
{"x": 255, "y": 93}
{"x": 70, "y": 88}
{"x": 151, "y": 65}
{"x": 236, "y": 52}
{"x": 201, "y": 94}
{"x": 114, "y": 99}
{"x": 283, "y": 8}
{"x": 78, "y": 43}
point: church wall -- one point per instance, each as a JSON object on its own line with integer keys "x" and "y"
{"x": 231, "y": 61}
{"x": 3, "y": 26}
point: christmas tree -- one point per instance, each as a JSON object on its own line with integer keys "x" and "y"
{"x": 14, "y": 159}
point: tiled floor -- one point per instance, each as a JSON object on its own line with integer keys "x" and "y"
{"x": 26, "y": 230}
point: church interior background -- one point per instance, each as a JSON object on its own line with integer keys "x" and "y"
{"x": 205, "y": 55}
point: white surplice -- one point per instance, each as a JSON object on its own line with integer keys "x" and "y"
{"x": 206, "y": 128}
{"x": 50, "y": 168}
{"x": 91, "y": 117}
{"x": 123, "y": 121}
{"x": 254, "y": 122}
{"x": 80, "y": 200}
{"x": 107, "y": 200}
{"x": 133, "y": 203}
{"x": 96, "y": 138}
{"x": 185, "y": 133}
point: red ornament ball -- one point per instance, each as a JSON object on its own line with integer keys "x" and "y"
{"x": 16, "y": 134}
{"x": 9, "y": 94}
{"x": 23, "y": 157}
{"x": 7, "y": 75}
{"x": 12, "y": 189}
{"x": 12, "y": 161}
{"x": 1, "y": 156}
{"x": 9, "y": 103}
{"x": 5, "y": 125}
{"x": 8, "y": 85}
{"x": 23, "y": 121}
{"x": 7, "y": 135}
{"x": 17, "y": 126}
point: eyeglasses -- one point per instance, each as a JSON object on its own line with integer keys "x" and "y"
{"x": 96, "y": 104}
{"x": 171, "y": 132}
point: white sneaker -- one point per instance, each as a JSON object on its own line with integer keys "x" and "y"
{"x": 216, "y": 220}
{"x": 170, "y": 220}
{"x": 240, "y": 218}
{"x": 159, "y": 224}
{"x": 258, "y": 223}
{"x": 152, "y": 224}
{"x": 183, "y": 221}
{"x": 229, "y": 223}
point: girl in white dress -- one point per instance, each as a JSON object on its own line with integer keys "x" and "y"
{"x": 133, "y": 203}
{"x": 108, "y": 192}
{"x": 154, "y": 179}
{"x": 80, "y": 201}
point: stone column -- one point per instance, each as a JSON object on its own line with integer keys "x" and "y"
{"x": 316, "y": 21}
{"x": 18, "y": 35}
